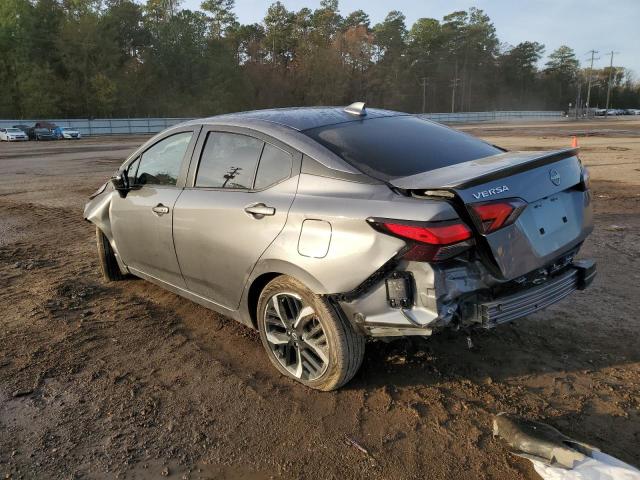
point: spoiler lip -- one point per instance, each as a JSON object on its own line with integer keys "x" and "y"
{"x": 480, "y": 171}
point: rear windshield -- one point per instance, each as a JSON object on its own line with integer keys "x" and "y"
{"x": 393, "y": 147}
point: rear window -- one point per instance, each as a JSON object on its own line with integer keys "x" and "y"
{"x": 275, "y": 165}
{"x": 393, "y": 147}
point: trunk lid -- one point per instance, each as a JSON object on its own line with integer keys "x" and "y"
{"x": 556, "y": 219}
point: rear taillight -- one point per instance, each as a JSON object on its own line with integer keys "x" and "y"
{"x": 427, "y": 242}
{"x": 491, "y": 216}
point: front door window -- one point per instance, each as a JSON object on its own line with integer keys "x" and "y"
{"x": 160, "y": 164}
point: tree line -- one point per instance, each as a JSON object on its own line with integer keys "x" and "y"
{"x": 112, "y": 58}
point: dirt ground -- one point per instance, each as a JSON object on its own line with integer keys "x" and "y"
{"x": 126, "y": 380}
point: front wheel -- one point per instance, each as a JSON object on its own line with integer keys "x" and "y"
{"x": 108, "y": 263}
{"x": 305, "y": 337}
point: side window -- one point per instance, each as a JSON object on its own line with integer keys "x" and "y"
{"x": 275, "y": 165}
{"x": 161, "y": 163}
{"x": 228, "y": 160}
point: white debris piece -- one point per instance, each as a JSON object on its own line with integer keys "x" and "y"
{"x": 599, "y": 466}
{"x": 556, "y": 456}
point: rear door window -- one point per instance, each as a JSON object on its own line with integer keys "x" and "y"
{"x": 275, "y": 166}
{"x": 160, "y": 164}
{"x": 228, "y": 160}
{"x": 399, "y": 146}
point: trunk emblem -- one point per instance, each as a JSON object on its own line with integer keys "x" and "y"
{"x": 554, "y": 176}
{"x": 490, "y": 192}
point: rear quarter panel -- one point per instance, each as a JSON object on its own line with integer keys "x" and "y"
{"x": 355, "y": 250}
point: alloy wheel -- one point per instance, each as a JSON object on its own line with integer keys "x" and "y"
{"x": 295, "y": 336}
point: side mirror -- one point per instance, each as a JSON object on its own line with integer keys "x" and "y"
{"x": 120, "y": 182}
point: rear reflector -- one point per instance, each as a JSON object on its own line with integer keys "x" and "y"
{"x": 491, "y": 216}
{"x": 428, "y": 242}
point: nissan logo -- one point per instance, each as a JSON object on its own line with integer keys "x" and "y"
{"x": 554, "y": 176}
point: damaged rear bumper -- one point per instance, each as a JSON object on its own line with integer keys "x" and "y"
{"x": 407, "y": 308}
{"x": 520, "y": 304}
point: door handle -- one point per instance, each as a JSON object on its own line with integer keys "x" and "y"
{"x": 160, "y": 209}
{"x": 259, "y": 210}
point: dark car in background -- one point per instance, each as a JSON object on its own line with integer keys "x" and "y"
{"x": 45, "y": 124}
{"x": 36, "y": 133}
{"x": 42, "y": 131}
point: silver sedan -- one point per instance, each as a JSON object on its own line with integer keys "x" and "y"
{"x": 321, "y": 227}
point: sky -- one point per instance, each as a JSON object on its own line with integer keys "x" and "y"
{"x": 584, "y": 25}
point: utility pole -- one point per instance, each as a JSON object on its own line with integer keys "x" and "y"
{"x": 578, "y": 97}
{"x": 593, "y": 52}
{"x": 454, "y": 84}
{"x": 230, "y": 175}
{"x": 609, "y": 83}
{"x": 424, "y": 81}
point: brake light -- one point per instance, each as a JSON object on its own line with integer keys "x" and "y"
{"x": 437, "y": 235}
{"x": 428, "y": 242}
{"x": 491, "y": 216}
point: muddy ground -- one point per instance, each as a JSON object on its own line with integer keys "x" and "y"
{"x": 126, "y": 380}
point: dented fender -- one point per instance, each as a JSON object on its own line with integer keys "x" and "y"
{"x": 98, "y": 211}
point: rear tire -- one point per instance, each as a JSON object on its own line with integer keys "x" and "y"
{"x": 304, "y": 336}
{"x": 108, "y": 264}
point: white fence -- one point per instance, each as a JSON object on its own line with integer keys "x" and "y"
{"x": 133, "y": 126}
{"x": 497, "y": 116}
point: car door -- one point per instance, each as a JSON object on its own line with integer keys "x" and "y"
{"x": 142, "y": 220}
{"x": 238, "y": 194}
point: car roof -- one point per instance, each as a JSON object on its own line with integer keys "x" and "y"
{"x": 300, "y": 118}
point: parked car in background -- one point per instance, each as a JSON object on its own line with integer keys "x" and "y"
{"x": 44, "y": 124}
{"x": 12, "y": 134}
{"x": 24, "y": 128}
{"x": 36, "y": 133}
{"x": 320, "y": 227}
{"x": 66, "y": 133}
{"x": 42, "y": 131}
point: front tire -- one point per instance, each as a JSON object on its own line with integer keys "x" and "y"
{"x": 108, "y": 264}
{"x": 305, "y": 338}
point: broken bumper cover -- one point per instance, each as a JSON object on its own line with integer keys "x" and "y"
{"x": 400, "y": 306}
{"x": 520, "y": 304}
